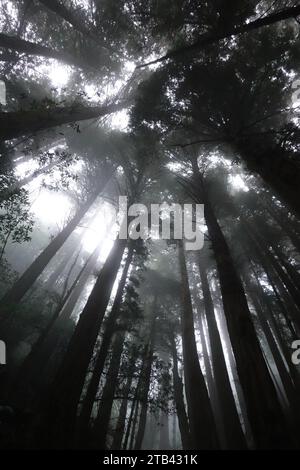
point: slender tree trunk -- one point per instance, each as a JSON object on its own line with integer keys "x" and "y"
{"x": 201, "y": 420}
{"x": 281, "y": 368}
{"x": 14, "y": 188}
{"x": 208, "y": 39}
{"x": 292, "y": 313}
{"x": 133, "y": 424}
{"x": 63, "y": 398}
{"x": 134, "y": 404}
{"x": 145, "y": 386}
{"x": 234, "y": 435}
{"x": 101, "y": 426}
{"x": 211, "y": 385}
{"x": 281, "y": 174}
{"x": 89, "y": 398}
{"x": 272, "y": 319}
{"x": 292, "y": 272}
{"x": 121, "y": 423}
{"x": 179, "y": 400}
{"x": 272, "y": 261}
{"x": 284, "y": 223}
{"x": 263, "y": 408}
{"x": 38, "y": 356}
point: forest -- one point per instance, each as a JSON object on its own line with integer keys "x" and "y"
{"x": 114, "y": 343}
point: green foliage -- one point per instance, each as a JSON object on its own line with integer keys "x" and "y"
{"x": 16, "y": 222}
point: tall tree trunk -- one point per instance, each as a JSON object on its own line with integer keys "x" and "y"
{"x": 269, "y": 266}
{"x": 14, "y": 188}
{"x": 280, "y": 174}
{"x": 201, "y": 420}
{"x": 121, "y": 423}
{"x": 281, "y": 368}
{"x": 208, "y": 39}
{"x": 283, "y": 222}
{"x": 134, "y": 404}
{"x": 272, "y": 319}
{"x": 164, "y": 437}
{"x": 19, "y": 123}
{"x": 179, "y": 399}
{"x": 30, "y": 48}
{"x": 145, "y": 378}
{"x": 39, "y": 354}
{"x": 263, "y": 408}
{"x": 234, "y": 435}
{"x": 62, "y": 400}
{"x": 89, "y": 398}
{"x": 292, "y": 272}
{"x": 285, "y": 278}
{"x": 211, "y": 385}
{"x": 103, "y": 416}
{"x": 59, "y": 269}
{"x": 133, "y": 421}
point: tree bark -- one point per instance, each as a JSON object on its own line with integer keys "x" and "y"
{"x": 201, "y": 420}
{"x": 263, "y": 408}
{"x": 63, "y": 398}
{"x": 110, "y": 326}
{"x": 121, "y": 423}
{"x": 145, "y": 386}
{"x": 207, "y": 39}
{"x": 101, "y": 425}
{"x": 235, "y": 438}
{"x": 19, "y": 123}
{"x": 31, "y": 48}
{"x": 179, "y": 400}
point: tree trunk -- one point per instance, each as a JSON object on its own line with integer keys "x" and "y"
{"x": 179, "y": 400}
{"x": 211, "y": 385}
{"x": 39, "y": 354}
{"x": 31, "y": 48}
{"x": 145, "y": 378}
{"x": 121, "y": 423}
{"x": 101, "y": 426}
{"x": 164, "y": 438}
{"x": 280, "y": 174}
{"x": 283, "y": 223}
{"x": 201, "y": 420}
{"x": 89, "y": 398}
{"x": 267, "y": 263}
{"x": 263, "y": 408}
{"x": 234, "y": 435}
{"x": 62, "y": 401}
{"x": 281, "y": 368}
{"x": 208, "y": 39}
{"x": 19, "y": 123}
{"x": 14, "y": 188}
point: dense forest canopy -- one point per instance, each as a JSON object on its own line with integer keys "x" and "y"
{"x": 138, "y": 342}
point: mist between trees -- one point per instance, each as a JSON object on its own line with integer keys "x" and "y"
{"x": 162, "y": 338}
